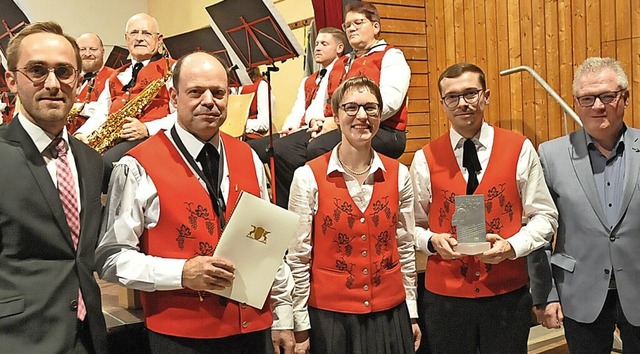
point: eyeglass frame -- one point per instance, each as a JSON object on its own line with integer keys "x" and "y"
{"x": 357, "y": 23}
{"x": 74, "y": 74}
{"x": 143, "y": 33}
{"x": 614, "y": 99}
{"x": 363, "y": 106}
{"x": 475, "y": 91}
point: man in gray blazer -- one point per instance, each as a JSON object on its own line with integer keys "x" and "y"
{"x": 590, "y": 282}
{"x": 50, "y": 205}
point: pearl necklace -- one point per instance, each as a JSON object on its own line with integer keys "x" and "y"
{"x": 352, "y": 172}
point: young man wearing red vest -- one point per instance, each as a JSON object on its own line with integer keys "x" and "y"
{"x": 94, "y": 76}
{"x": 143, "y": 38}
{"x": 478, "y": 304}
{"x": 164, "y": 217}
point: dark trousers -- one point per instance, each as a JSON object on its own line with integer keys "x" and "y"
{"x": 294, "y": 150}
{"x": 497, "y": 324}
{"x": 597, "y": 337}
{"x": 250, "y": 343}
{"x": 84, "y": 342}
{"x": 112, "y": 156}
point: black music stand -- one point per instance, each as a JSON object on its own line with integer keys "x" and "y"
{"x": 256, "y": 32}
{"x": 202, "y": 40}
{"x": 12, "y": 20}
{"x": 117, "y": 57}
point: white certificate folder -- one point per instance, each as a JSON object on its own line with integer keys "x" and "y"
{"x": 255, "y": 241}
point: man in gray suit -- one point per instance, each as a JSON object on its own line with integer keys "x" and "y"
{"x": 590, "y": 282}
{"x": 50, "y": 205}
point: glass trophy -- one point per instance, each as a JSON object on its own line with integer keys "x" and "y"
{"x": 468, "y": 219}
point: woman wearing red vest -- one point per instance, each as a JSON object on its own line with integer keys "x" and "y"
{"x": 353, "y": 257}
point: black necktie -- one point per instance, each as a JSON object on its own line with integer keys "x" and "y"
{"x": 209, "y": 160}
{"x": 88, "y": 76}
{"x": 472, "y": 164}
{"x": 134, "y": 76}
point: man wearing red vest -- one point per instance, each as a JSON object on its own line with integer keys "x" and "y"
{"x": 258, "y": 120}
{"x": 478, "y": 303}
{"x": 164, "y": 218}
{"x": 94, "y": 76}
{"x": 143, "y": 38}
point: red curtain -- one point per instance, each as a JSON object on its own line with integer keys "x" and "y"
{"x": 328, "y": 13}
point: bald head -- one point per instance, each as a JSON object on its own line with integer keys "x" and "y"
{"x": 91, "y": 52}
{"x": 142, "y": 35}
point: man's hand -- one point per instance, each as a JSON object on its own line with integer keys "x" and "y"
{"x": 500, "y": 250}
{"x": 82, "y": 138}
{"x": 549, "y": 316}
{"x": 417, "y": 334}
{"x": 283, "y": 342}
{"x": 444, "y": 244}
{"x": 303, "y": 344}
{"x": 207, "y": 273}
{"x": 133, "y": 129}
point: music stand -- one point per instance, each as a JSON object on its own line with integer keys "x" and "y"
{"x": 202, "y": 40}
{"x": 12, "y": 20}
{"x": 117, "y": 57}
{"x": 258, "y": 35}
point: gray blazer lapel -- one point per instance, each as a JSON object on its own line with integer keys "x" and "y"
{"x": 582, "y": 167}
{"x": 35, "y": 162}
{"x": 631, "y": 167}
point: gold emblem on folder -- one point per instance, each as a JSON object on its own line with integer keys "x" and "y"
{"x": 258, "y": 233}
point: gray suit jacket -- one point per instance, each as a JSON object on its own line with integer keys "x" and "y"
{"x": 588, "y": 250}
{"x": 40, "y": 271}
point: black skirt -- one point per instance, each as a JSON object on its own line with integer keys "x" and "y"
{"x": 384, "y": 332}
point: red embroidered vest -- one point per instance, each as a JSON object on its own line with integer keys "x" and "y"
{"x": 369, "y": 66}
{"x": 310, "y": 91}
{"x": 356, "y": 265}
{"x": 159, "y": 105}
{"x": 252, "y": 88}
{"x": 96, "y": 88}
{"x": 468, "y": 277}
{"x": 189, "y": 227}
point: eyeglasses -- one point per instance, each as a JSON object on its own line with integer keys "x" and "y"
{"x": 357, "y": 23}
{"x": 605, "y": 98}
{"x": 372, "y": 109}
{"x": 452, "y": 100}
{"x": 38, "y": 73}
{"x": 145, "y": 34}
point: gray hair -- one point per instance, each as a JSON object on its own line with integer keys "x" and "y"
{"x": 597, "y": 64}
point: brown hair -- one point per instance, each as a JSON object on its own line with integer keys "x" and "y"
{"x": 13, "y": 50}
{"x": 351, "y": 84}
{"x": 456, "y": 70}
{"x": 364, "y": 8}
{"x": 338, "y": 36}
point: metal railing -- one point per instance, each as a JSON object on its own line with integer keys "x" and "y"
{"x": 565, "y": 107}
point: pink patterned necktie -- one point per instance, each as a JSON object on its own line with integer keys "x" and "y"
{"x": 68, "y": 197}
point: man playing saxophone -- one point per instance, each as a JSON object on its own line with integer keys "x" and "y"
{"x": 143, "y": 38}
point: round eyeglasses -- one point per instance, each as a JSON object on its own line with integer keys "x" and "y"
{"x": 38, "y": 73}
{"x": 605, "y": 98}
{"x": 372, "y": 109}
{"x": 471, "y": 97}
{"x": 357, "y": 23}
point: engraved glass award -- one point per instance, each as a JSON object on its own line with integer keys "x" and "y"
{"x": 468, "y": 219}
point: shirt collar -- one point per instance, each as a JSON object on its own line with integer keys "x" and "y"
{"x": 144, "y": 62}
{"x": 483, "y": 137}
{"x": 40, "y": 138}
{"x": 335, "y": 165}
{"x": 193, "y": 144}
{"x": 619, "y": 147}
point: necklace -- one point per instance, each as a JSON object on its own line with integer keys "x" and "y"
{"x": 352, "y": 172}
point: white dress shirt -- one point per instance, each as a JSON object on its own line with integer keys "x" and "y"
{"x": 303, "y": 200}
{"x": 42, "y": 141}
{"x": 133, "y": 205}
{"x": 316, "y": 107}
{"x": 103, "y": 104}
{"x": 537, "y": 203}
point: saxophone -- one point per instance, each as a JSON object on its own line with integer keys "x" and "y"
{"x": 108, "y": 134}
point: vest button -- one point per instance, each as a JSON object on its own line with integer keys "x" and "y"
{"x": 73, "y": 305}
{"x": 606, "y": 271}
{"x": 366, "y": 303}
{"x": 612, "y": 238}
{"x": 477, "y": 290}
{"x": 362, "y": 220}
{"x": 363, "y": 237}
{"x": 243, "y": 305}
{"x": 365, "y": 288}
{"x": 477, "y": 273}
{"x": 364, "y": 253}
{"x": 365, "y": 271}
{"x": 245, "y": 324}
